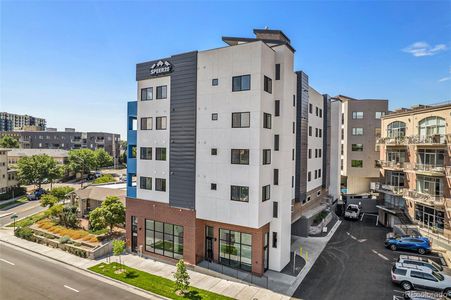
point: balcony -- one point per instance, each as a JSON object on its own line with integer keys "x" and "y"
{"x": 392, "y": 165}
{"x": 399, "y": 141}
{"x": 386, "y": 188}
{"x": 430, "y": 170}
{"x": 434, "y": 139}
{"x": 423, "y": 197}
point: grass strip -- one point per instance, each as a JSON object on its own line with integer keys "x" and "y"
{"x": 151, "y": 283}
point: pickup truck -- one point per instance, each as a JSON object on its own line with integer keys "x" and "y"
{"x": 352, "y": 211}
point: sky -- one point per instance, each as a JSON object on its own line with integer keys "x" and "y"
{"x": 73, "y": 62}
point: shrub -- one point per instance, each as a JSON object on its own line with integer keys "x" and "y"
{"x": 64, "y": 239}
{"x": 60, "y": 192}
{"x": 107, "y": 178}
{"x": 24, "y": 233}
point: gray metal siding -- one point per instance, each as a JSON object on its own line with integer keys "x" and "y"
{"x": 182, "y": 163}
{"x": 326, "y": 141}
{"x": 301, "y": 136}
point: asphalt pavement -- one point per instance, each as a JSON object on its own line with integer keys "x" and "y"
{"x": 354, "y": 265}
{"x": 25, "y": 276}
{"x": 22, "y": 210}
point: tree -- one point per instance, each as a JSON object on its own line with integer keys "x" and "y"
{"x": 61, "y": 192}
{"x": 8, "y": 142}
{"x": 110, "y": 213}
{"x": 118, "y": 249}
{"x": 103, "y": 159}
{"x": 36, "y": 169}
{"x": 48, "y": 200}
{"x": 68, "y": 217}
{"x": 82, "y": 160}
{"x": 181, "y": 278}
{"x": 55, "y": 210}
{"x": 96, "y": 219}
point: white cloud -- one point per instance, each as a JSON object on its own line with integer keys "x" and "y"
{"x": 424, "y": 49}
{"x": 447, "y": 77}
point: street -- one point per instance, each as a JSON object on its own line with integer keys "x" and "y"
{"x": 354, "y": 265}
{"x": 24, "y": 276}
{"x": 21, "y": 211}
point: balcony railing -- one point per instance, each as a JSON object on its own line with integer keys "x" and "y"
{"x": 391, "y": 164}
{"x": 380, "y": 187}
{"x": 434, "y": 139}
{"x": 435, "y": 169}
{"x": 423, "y": 197}
{"x": 448, "y": 171}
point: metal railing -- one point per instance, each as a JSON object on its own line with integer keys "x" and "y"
{"x": 430, "y": 168}
{"x": 434, "y": 139}
{"x": 390, "y": 164}
{"x": 427, "y": 198}
{"x": 396, "y": 190}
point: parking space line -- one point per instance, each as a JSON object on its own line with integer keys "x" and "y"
{"x": 380, "y": 255}
{"x": 8, "y": 262}
{"x": 70, "y": 288}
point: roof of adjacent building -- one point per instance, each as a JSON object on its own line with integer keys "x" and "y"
{"x": 29, "y": 152}
{"x": 419, "y": 109}
{"x": 270, "y": 37}
{"x": 100, "y": 193}
{"x": 347, "y": 98}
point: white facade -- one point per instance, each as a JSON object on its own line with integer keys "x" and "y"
{"x": 257, "y": 60}
{"x": 315, "y": 140}
{"x": 153, "y": 138}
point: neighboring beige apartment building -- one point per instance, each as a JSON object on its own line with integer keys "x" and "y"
{"x": 14, "y": 155}
{"x": 416, "y": 167}
{"x": 361, "y": 126}
{"x": 8, "y": 177}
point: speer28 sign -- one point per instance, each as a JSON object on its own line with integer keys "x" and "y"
{"x": 160, "y": 68}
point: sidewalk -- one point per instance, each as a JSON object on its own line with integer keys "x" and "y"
{"x": 221, "y": 286}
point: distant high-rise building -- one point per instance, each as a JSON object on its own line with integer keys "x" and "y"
{"x": 10, "y": 122}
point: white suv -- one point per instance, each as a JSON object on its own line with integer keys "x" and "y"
{"x": 410, "y": 277}
{"x": 422, "y": 262}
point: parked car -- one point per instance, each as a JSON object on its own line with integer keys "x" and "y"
{"x": 420, "y": 244}
{"x": 422, "y": 261}
{"x": 414, "y": 277}
{"x": 36, "y": 195}
{"x": 352, "y": 211}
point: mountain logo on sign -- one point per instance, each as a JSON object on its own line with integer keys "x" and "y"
{"x": 160, "y": 68}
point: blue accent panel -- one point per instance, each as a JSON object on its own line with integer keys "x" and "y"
{"x": 132, "y": 111}
{"x": 131, "y": 137}
{"x": 131, "y": 191}
{"x": 132, "y": 108}
{"x": 131, "y": 166}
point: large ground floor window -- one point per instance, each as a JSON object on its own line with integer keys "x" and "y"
{"x": 164, "y": 238}
{"x": 430, "y": 216}
{"x": 235, "y": 249}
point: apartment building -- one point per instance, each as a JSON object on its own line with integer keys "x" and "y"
{"x": 59, "y": 155}
{"x": 67, "y": 140}
{"x": 211, "y": 171}
{"x": 8, "y": 177}
{"x": 361, "y": 127}
{"x": 416, "y": 167}
{"x": 10, "y": 122}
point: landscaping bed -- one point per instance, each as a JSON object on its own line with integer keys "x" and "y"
{"x": 151, "y": 283}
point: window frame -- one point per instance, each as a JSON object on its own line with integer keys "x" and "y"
{"x": 144, "y": 91}
{"x": 267, "y": 84}
{"x": 146, "y": 119}
{"x": 241, "y": 119}
{"x": 266, "y": 192}
{"x": 145, "y": 180}
{"x": 240, "y": 156}
{"x": 266, "y": 156}
{"x": 357, "y": 115}
{"x": 141, "y": 152}
{"x": 241, "y": 188}
{"x": 158, "y": 155}
{"x": 159, "y": 92}
{"x": 240, "y": 88}
{"x": 267, "y": 121}
{"x": 160, "y": 184}
{"x": 165, "y": 122}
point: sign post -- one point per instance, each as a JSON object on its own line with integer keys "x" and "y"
{"x": 14, "y": 217}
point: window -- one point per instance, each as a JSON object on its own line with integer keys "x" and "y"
{"x": 319, "y": 173}
{"x": 318, "y": 193}
{"x": 241, "y": 83}
{"x": 316, "y": 132}
{"x": 239, "y": 193}
{"x": 213, "y": 186}
{"x": 309, "y": 176}
{"x": 146, "y": 94}
{"x": 146, "y": 153}
{"x": 214, "y": 117}
{"x": 160, "y": 153}
{"x": 277, "y": 108}
{"x": 214, "y": 151}
{"x": 310, "y": 130}
{"x": 160, "y": 184}
{"x": 316, "y": 174}
{"x": 292, "y": 154}
{"x": 274, "y": 239}
{"x": 320, "y": 113}
{"x": 379, "y": 114}
{"x": 164, "y": 239}
{"x": 294, "y": 127}
{"x": 235, "y": 249}
{"x": 357, "y": 163}
{"x": 294, "y": 100}
{"x": 214, "y": 82}
{"x": 357, "y": 114}
{"x": 266, "y": 156}
{"x": 320, "y": 131}
{"x": 241, "y": 119}
{"x": 276, "y": 142}
{"x": 316, "y": 153}
{"x": 267, "y": 84}
{"x": 431, "y": 126}
{"x": 266, "y": 192}
{"x": 310, "y": 108}
{"x": 266, "y": 121}
{"x": 292, "y": 181}
{"x": 357, "y": 131}
{"x": 277, "y": 71}
{"x": 162, "y": 92}
{"x": 357, "y": 147}
{"x": 319, "y": 152}
{"x": 377, "y": 132}
{"x": 275, "y": 209}
{"x": 161, "y": 123}
{"x": 396, "y": 129}
{"x": 146, "y": 123}
{"x": 316, "y": 110}
{"x": 145, "y": 183}
{"x": 240, "y": 156}
{"x": 309, "y": 153}
{"x": 276, "y": 177}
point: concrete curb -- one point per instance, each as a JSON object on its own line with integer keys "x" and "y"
{"x": 123, "y": 285}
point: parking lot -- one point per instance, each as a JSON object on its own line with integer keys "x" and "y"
{"x": 354, "y": 265}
